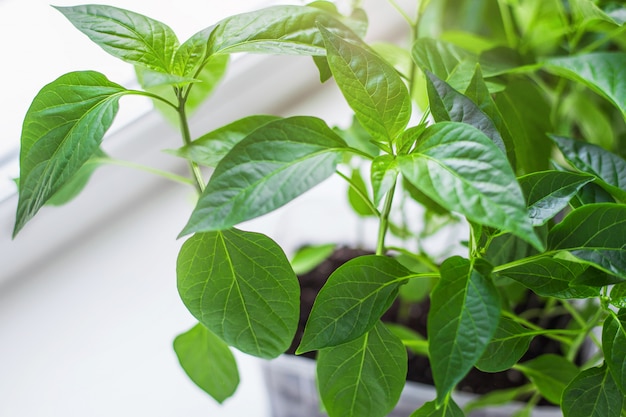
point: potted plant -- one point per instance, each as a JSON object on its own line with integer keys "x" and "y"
{"x": 519, "y": 134}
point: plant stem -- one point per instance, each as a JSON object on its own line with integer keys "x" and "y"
{"x": 184, "y": 128}
{"x": 522, "y": 261}
{"x": 507, "y": 22}
{"x": 402, "y": 12}
{"x": 384, "y": 220}
{"x": 538, "y": 330}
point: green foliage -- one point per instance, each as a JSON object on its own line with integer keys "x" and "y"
{"x": 522, "y": 138}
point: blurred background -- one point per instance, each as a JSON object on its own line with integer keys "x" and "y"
{"x": 88, "y": 300}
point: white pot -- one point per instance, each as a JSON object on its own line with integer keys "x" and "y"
{"x": 290, "y": 381}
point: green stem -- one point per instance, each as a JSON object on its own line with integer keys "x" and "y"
{"x": 522, "y": 261}
{"x": 537, "y": 329}
{"x": 184, "y": 128}
{"x": 127, "y": 164}
{"x": 507, "y": 22}
{"x": 402, "y": 12}
{"x": 360, "y": 192}
{"x": 421, "y": 258}
{"x": 153, "y": 97}
{"x": 595, "y": 45}
{"x": 384, "y": 220}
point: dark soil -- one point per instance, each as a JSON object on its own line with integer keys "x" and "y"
{"x": 419, "y": 367}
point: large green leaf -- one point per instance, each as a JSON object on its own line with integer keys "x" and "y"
{"x": 463, "y": 317}
{"x": 352, "y": 301}
{"x": 600, "y": 71}
{"x": 362, "y": 378}
{"x": 550, "y": 374}
{"x": 241, "y": 287}
{"x": 63, "y": 128}
{"x": 208, "y": 362}
{"x": 278, "y": 29}
{"x": 211, "y": 147}
{"x": 130, "y": 36}
{"x": 593, "y": 159}
{"x": 595, "y": 234}
{"x": 462, "y": 170}
{"x": 526, "y": 114}
{"x": 270, "y": 167}
{"x": 447, "y": 104}
{"x": 549, "y": 192}
{"x": 430, "y": 409}
{"x": 552, "y": 277}
{"x": 509, "y": 343}
{"x": 371, "y": 86}
{"x": 593, "y": 393}
{"x": 614, "y": 347}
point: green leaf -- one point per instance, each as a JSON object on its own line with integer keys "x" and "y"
{"x": 430, "y": 409}
{"x": 371, "y": 86}
{"x": 461, "y": 169}
{"x": 284, "y": 29}
{"x": 549, "y": 192}
{"x": 208, "y": 362}
{"x": 211, "y": 148}
{"x": 552, "y": 277}
{"x": 352, "y": 301}
{"x": 594, "y": 234}
{"x": 78, "y": 182}
{"x": 614, "y": 347}
{"x": 270, "y": 167}
{"x": 445, "y": 60}
{"x": 384, "y": 174}
{"x": 587, "y": 14}
{"x": 241, "y": 287}
{"x": 593, "y": 393}
{"x": 526, "y": 114}
{"x": 126, "y": 35}
{"x": 463, "y": 317}
{"x": 356, "y": 199}
{"x": 550, "y": 374}
{"x": 509, "y": 343}
{"x": 309, "y": 257}
{"x": 62, "y": 129}
{"x": 499, "y": 398}
{"x": 447, "y": 104}
{"x": 618, "y": 295}
{"x": 479, "y": 93}
{"x": 362, "y": 378}
{"x": 594, "y": 160}
{"x": 600, "y": 71}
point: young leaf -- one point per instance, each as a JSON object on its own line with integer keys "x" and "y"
{"x": 431, "y": 409}
{"x": 359, "y": 199}
{"x": 309, "y": 257}
{"x": 63, "y": 128}
{"x": 241, "y": 287}
{"x": 552, "y": 277}
{"x": 618, "y": 295}
{"x": 593, "y": 393}
{"x": 509, "y": 343}
{"x": 129, "y": 36}
{"x": 614, "y": 347}
{"x": 362, "y": 378}
{"x": 208, "y": 362}
{"x": 371, "y": 86}
{"x": 600, "y": 71}
{"x": 550, "y": 374}
{"x": 594, "y": 234}
{"x": 594, "y": 160}
{"x": 549, "y": 192}
{"x": 463, "y": 317}
{"x": 462, "y": 170}
{"x": 210, "y": 148}
{"x": 447, "y": 104}
{"x": 444, "y": 60}
{"x": 270, "y": 167}
{"x": 383, "y": 175}
{"x": 352, "y": 301}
